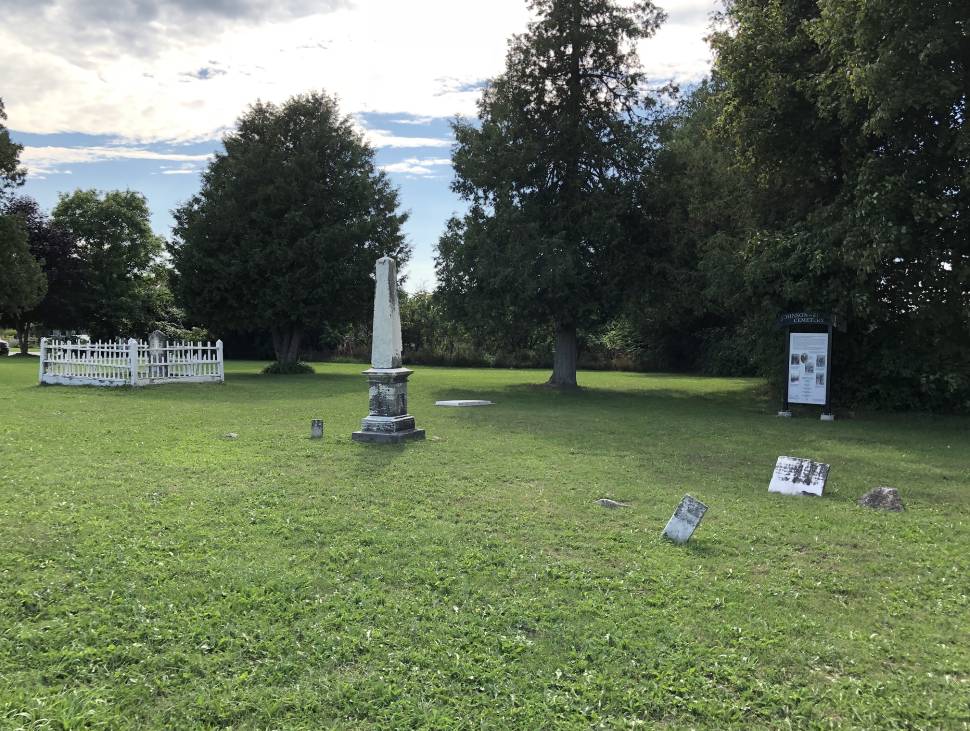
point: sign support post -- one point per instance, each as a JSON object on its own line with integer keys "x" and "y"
{"x": 827, "y": 414}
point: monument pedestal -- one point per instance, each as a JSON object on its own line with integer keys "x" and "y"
{"x": 388, "y": 420}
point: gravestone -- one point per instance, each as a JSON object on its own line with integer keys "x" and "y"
{"x": 685, "y": 519}
{"x": 316, "y": 429}
{"x": 796, "y": 476}
{"x": 388, "y": 420}
{"x": 463, "y": 402}
{"x": 158, "y": 356}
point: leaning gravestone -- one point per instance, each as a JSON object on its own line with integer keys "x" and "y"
{"x": 388, "y": 420}
{"x": 685, "y": 519}
{"x": 795, "y": 476}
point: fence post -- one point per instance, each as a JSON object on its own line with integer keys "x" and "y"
{"x": 43, "y": 357}
{"x": 133, "y": 360}
{"x": 222, "y": 367}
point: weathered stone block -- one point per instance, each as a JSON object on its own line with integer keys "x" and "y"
{"x": 882, "y": 498}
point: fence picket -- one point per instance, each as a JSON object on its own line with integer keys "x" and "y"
{"x": 116, "y": 363}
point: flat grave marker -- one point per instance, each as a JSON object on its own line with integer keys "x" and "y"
{"x": 797, "y": 476}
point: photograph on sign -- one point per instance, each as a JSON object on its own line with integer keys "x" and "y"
{"x": 807, "y": 366}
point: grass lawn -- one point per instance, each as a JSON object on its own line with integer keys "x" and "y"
{"x": 154, "y": 574}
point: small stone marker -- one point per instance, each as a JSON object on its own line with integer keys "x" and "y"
{"x": 685, "y": 519}
{"x": 464, "y": 402}
{"x": 882, "y": 498}
{"x": 796, "y": 476}
{"x": 605, "y": 502}
{"x": 316, "y": 429}
{"x": 230, "y": 435}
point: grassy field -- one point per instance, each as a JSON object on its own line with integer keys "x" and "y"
{"x": 154, "y": 574}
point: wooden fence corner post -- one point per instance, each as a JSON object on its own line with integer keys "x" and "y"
{"x": 43, "y": 357}
{"x": 222, "y": 366}
{"x": 133, "y": 360}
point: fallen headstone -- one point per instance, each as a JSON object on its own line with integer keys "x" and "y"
{"x": 464, "y": 402}
{"x": 882, "y": 498}
{"x": 685, "y": 520}
{"x": 230, "y": 435}
{"x": 796, "y": 476}
{"x": 605, "y": 502}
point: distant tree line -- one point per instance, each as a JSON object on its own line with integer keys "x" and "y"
{"x": 822, "y": 166}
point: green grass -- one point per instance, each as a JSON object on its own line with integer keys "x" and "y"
{"x": 154, "y": 574}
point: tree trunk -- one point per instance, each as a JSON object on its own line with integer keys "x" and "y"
{"x": 286, "y": 343}
{"x": 23, "y": 335}
{"x": 564, "y": 359}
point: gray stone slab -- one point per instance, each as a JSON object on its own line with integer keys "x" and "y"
{"x": 685, "y": 519}
{"x": 373, "y": 437}
{"x": 464, "y": 402}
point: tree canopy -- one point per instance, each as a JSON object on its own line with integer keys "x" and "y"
{"x": 117, "y": 249}
{"x": 549, "y": 169}
{"x": 22, "y": 281}
{"x": 11, "y": 174}
{"x": 57, "y": 251}
{"x": 287, "y": 226}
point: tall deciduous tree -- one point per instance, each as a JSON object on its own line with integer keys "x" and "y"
{"x": 287, "y": 226}
{"x": 549, "y": 171}
{"x": 851, "y": 121}
{"x": 117, "y": 248}
{"x": 57, "y": 251}
{"x": 22, "y": 281}
{"x": 11, "y": 174}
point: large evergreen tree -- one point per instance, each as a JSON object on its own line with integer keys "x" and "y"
{"x": 550, "y": 171}
{"x": 287, "y": 226}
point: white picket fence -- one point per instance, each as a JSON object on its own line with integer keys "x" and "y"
{"x": 135, "y": 363}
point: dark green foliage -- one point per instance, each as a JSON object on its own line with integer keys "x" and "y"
{"x": 118, "y": 254}
{"x": 295, "y": 368}
{"x": 284, "y": 234}
{"x": 548, "y": 171}
{"x": 853, "y": 118}
{"x": 58, "y": 252}
{"x": 824, "y": 167}
{"x": 11, "y": 174}
{"x": 22, "y": 280}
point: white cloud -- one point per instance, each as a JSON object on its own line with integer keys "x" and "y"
{"x": 45, "y": 160}
{"x": 414, "y": 120}
{"x": 383, "y": 138}
{"x": 182, "y": 70}
{"x": 416, "y": 166}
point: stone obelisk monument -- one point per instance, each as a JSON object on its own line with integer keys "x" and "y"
{"x": 388, "y": 420}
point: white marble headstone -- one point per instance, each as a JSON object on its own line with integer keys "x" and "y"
{"x": 685, "y": 519}
{"x": 796, "y": 476}
{"x": 386, "y": 345}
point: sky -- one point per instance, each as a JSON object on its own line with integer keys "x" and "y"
{"x": 136, "y": 94}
